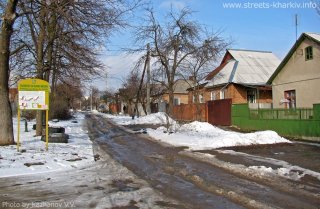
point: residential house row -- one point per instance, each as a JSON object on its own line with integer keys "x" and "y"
{"x": 255, "y": 77}
{"x": 260, "y": 78}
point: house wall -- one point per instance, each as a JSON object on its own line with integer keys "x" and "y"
{"x": 183, "y": 98}
{"x": 265, "y": 96}
{"x": 206, "y": 95}
{"x": 299, "y": 75}
{"x": 237, "y": 93}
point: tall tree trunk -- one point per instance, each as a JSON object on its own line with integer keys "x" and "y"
{"x": 40, "y": 60}
{"x": 6, "y": 129}
{"x": 171, "y": 100}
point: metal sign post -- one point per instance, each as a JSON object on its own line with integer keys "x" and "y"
{"x": 33, "y": 95}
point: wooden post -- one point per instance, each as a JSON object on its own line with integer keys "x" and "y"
{"x": 18, "y": 142}
{"x": 47, "y": 129}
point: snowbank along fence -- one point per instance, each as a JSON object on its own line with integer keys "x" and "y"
{"x": 301, "y": 123}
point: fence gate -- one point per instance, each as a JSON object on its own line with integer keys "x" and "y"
{"x": 219, "y": 112}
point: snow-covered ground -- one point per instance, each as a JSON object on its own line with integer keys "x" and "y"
{"x": 155, "y": 119}
{"x": 76, "y": 153}
{"x": 198, "y": 135}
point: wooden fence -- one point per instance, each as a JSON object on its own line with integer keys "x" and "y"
{"x": 190, "y": 112}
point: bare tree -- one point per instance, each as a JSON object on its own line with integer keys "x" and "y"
{"x": 68, "y": 94}
{"x": 95, "y": 95}
{"x": 202, "y": 62}
{"x": 128, "y": 92}
{"x": 63, "y": 37}
{"x": 8, "y": 18}
{"x": 173, "y": 44}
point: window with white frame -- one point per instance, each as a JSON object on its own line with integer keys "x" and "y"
{"x": 290, "y": 97}
{"x": 201, "y": 99}
{"x": 213, "y": 95}
{"x": 252, "y": 96}
{"x": 176, "y": 101}
{"x": 222, "y": 94}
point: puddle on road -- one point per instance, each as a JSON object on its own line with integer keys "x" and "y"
{"x": 132, "y": 205}
{"x": 124, "y": 185}
{"x": 168, "y": 205}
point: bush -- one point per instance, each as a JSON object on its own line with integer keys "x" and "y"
{"x": 29, "y": 114}
{"x": 59, "y": 109}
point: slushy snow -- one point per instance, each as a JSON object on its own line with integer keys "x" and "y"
{"x": 199, "y": 135}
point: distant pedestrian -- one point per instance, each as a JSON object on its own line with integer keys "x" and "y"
{"x": 124, "y": 109}
{"x": 134, "y": 113}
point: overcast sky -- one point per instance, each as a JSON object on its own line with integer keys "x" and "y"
{"x": 256, "y": 25}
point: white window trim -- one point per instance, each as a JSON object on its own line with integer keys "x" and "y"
{"x": 222, "y": 94}
{"x": 213, "y": 96}
{"x": 177, "y": 98}
{"x": 201, "y": 98}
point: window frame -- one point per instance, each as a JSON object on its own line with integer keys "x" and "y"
{"x": 291, "y": 96}
{"x": 176, "y": 99}
{"x": 213, "y": 95}
{"x": 222, "y": 94}
{"x": 308, "y": 53}
{"x": 253, "y": 95}
{"x": 201, "y": 98}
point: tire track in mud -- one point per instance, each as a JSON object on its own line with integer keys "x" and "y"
{"x": 187, "y": 178}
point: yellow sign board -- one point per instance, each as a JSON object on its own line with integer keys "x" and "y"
{"x": 33, "y": 95}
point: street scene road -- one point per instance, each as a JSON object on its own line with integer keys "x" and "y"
{"x": 174, "y": 104}
{"x": 202, "y": 183}
{"x": 132, "y": 170}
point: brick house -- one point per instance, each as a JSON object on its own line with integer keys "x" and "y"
{"x": 161, "y": 98}
{"x": 180, "y": 92}
{"x": 242, "y": 77}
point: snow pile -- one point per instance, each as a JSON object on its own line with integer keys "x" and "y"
{"x": 156, "y": 118}
{"x": 76, "y": 153}
{"x": 198, "y": 135}
{"x": 203, "y": 136}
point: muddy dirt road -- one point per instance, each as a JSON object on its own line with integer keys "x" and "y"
{"x": 102, "y": 184}
{"x": 134, "y": 171}
{"x": 195, "y": 180}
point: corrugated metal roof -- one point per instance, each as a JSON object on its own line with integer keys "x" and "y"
{"x": 254, "y": 67}
{"x": 223, "y": 76}
{"x": 314, "y": 35}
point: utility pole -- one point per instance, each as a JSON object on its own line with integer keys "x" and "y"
{"x": 148, "y": 80}
{"x": 296, "y": 24}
